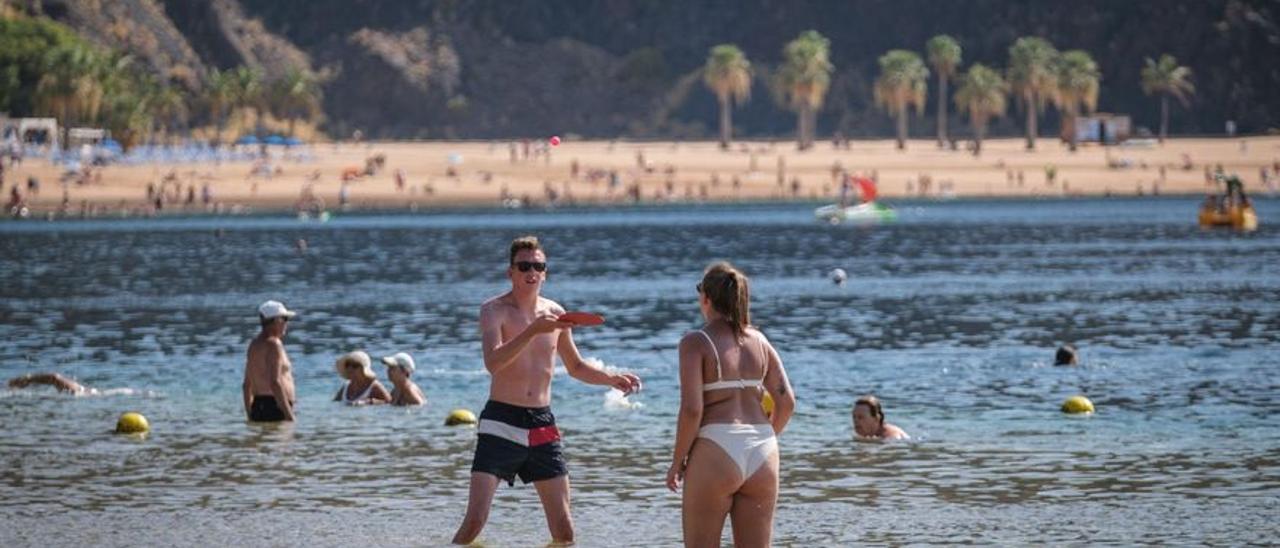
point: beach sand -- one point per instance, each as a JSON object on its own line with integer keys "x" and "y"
{"x": 674, "y": 172}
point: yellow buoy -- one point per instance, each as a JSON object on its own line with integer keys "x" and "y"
{"x": 1077, "y": 404}
{"x": 460, "y": 416}
{"x": 132, "y": 423}
{"x": 767, "y": 404}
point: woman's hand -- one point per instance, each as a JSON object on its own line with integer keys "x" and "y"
{"x": 675, "y": 476}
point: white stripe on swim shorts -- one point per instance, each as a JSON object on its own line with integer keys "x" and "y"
{"x": 503, "y": 430}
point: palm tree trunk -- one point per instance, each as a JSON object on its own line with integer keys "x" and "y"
{"x": 726, "y": 124}
{"x": 802, "y": 118}
{"x": 942, "y": 111}
{"x": 902, "y": 127}
{"x": 811, "y": 128}
{"x": 292, "y": 121}
{"x": 979, "y": 133}
{"x": 1031, "y": 121}
{"x": 1070, "y": 121}
{"x": 1164, "y": 118}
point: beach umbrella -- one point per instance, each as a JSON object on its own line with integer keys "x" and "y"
{"x": 292, "y": 141}
{"x": 275, "y": 140}
{"x": 112, "y": 145}
{"x": 247, "y": 140}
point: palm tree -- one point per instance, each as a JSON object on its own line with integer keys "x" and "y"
{"x": 728, "y": 75}
{"x": 69, "y": 87}
{"x": 982, "y": 95}
{"x": 247, "y": 93}
{"x": 902, "y": 83}
{"x": 1169, "y": 79}
{"x": 1078, "y": 78}
{"x": 220, "y": 96}
{"x": 1032, "y": 78}
{"x": 295, "y": 95}
{"x": 944, "y": 56}
{"x": 805, "y": 77}
{"x": 169, "y": 107}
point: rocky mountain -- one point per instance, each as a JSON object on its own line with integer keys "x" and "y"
{"x": 608, "y": 68}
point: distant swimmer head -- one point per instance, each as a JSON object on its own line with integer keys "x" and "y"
{"x": 868, "y": 416}
{"x": 132, "y": 423}
{"x": 1066, "y": 355}
{"x": 355, "y": 364}
{"x": 838, "y": 276}
{"x": 725, "y": 292}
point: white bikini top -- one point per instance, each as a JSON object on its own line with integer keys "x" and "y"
{"x": 346, "y": 388}
{"x": 736, "y": 383}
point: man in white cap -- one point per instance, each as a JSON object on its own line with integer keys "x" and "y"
{"x": 403, "y": 390}
{"x": 268, "y": 375}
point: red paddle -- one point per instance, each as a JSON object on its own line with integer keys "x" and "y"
{"x": 581, "y": 318}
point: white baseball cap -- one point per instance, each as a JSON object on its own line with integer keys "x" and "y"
{"x": 275, "y": 309}
{"x": 400, "y": 359}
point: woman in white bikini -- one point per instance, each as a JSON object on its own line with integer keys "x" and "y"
{"x": 362, "y": 386}
{"x": 726, "y": 450}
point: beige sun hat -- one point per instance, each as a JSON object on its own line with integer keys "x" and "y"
{"x": 358, "y": 357}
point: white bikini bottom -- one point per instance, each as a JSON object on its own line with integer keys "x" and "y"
{"x": 749, "y": 445}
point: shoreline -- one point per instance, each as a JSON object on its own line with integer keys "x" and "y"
{"x": 462, "y": 175}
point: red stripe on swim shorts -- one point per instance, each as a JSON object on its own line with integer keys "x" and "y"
{"x": 543, "y": 435}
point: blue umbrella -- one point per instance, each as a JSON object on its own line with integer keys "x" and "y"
{"x": 247, "y": 140}
{"x": 112, "y": 144}
{"x": 275, "y": 140}
{"x": 292, "y": 141}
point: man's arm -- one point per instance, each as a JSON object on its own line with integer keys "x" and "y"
{"x": 55, "y": 380}
{"x": 276, "y": 358}
{"x": 498, "y": 354}
{"x": 246, "y": 393}
{"x": 588, "y": 373}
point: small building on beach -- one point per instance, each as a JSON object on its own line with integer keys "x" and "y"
{"x": 1099, "y": 127}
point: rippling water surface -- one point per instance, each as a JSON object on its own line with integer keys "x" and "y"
{"x": 951, "y": 317}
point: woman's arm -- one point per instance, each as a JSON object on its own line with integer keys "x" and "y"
{"x": 689, "y": 417}
{"x": 779, "y": 387}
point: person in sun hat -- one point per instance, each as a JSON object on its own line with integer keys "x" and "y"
{"x": 362, "y": 386}
{"x": 400, "y": 367}
{"x": 268, "y": 374}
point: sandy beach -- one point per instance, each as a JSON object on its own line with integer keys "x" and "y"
{"x": 485, "y": 172}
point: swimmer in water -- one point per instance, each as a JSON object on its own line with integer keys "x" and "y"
{"x": 1066, "y": 355}
{"x": 63, "y": 384}
{"x": 868, "y": 421}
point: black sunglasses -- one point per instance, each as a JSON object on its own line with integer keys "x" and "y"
{"x": 524, "y": 266}
{"x": 698, "y": 287}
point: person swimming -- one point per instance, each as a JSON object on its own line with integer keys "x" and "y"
{"x": 868, "y": 421}
{"x": 59, "y": 382}
{"x": 726, "y": 448}
{"x": 362, "y": 386}
{"x": 400, "y": 367}
{"x": 1066, "y": 355}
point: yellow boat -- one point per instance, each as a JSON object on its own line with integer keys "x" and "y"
{"x": 1240, "y": 217}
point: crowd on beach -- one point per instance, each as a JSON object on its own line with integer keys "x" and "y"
{"x": 180, "y": 184}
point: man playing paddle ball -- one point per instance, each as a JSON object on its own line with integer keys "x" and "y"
{"x": 520, "y": 334}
